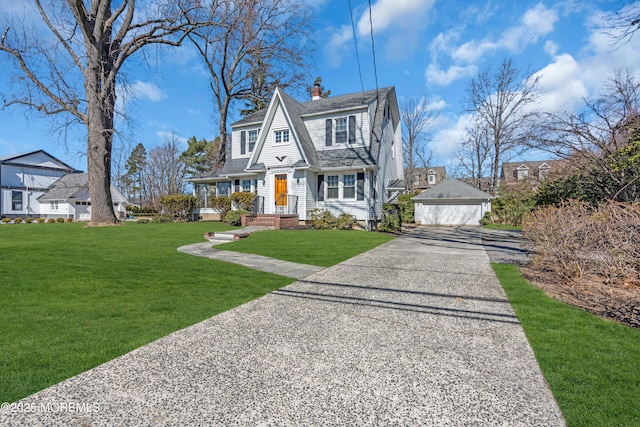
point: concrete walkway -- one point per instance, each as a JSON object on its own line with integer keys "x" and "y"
{"x": 415, "y": 332}
{"x": 258, "y": 262}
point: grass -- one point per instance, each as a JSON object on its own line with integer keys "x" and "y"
{"x": 502, "y": 227}
{"x": 323, "y": 248}
{"x": 592, "y": 365}
{"x": 76, "y": 297}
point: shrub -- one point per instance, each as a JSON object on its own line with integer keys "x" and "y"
{"x": 143, "y": 221}
{"x": 407, "y": 207}
{"x": 17, "y": 220}
{"x": 575, "y": 239}
{"x": 345, "y": 222}
{"x": 179, "y": 206}
{"x": 321, "y": 219}
{"x": 159, "y": 219}
{"x": 486, "y": 219}
{"x": 235, "y": 217}
{"x": 51, "y": 220}
{"x": 60, "y": 220}
{"x": 513, "y": 204}
{"x": 391, "y": 220}
{"x": 242, "y": 200}
{"x": 6, "y": 220}
{"x": 40, "y": 220}
{"x": 69, "y": 220}
{"x": 29, "y": 220}
{"x": 222, "y": 204}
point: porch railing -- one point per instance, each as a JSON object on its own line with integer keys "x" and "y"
{"x": 257, "y": 206}
{"x": 291, "y": 206}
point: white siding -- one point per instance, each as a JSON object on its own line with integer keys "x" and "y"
{"x": 353, "y": 207}
{"x": 26, "y": 177}
{"x": 270, "y": 149}
{"x": 451, "y": 212}
{"x": 236, "y": 140}
{"x": 316, "y": 127}
{"x": 311, "y": 192}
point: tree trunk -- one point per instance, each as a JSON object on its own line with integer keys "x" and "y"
{"x": 99, "y": 142}
{"x": 222, "y": 156}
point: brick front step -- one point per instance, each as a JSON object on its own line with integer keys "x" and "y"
{"x": 273, "y": 220}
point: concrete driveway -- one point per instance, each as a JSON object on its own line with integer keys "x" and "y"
{"x": 415, "y": 332}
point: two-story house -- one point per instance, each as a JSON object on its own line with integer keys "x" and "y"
{"x": 38, "y": 185}
{"x": 342, "y": 153}
{"x": 24, "y": 178}
{"x": 532, "y": 172}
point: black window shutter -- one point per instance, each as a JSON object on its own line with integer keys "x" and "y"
{"x": 352, "y": 129}
{"x": 237, "y": 185}
{"x": 320, "y": 188}
{"x": 360, "y": 187}
{"x": 243, "y": 142}
{"x": 329, "y": 130}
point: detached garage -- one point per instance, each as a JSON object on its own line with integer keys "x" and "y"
{"x": 451, "y": 202}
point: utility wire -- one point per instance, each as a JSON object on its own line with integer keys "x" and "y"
{"x": 373, "y": 50}
{"x": 353, "y": 29}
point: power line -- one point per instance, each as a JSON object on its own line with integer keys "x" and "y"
{"x": 353, "y": 29}
{"x": 373, "y": 49}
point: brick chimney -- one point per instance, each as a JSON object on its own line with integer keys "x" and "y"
{"x": 316, "y": 93}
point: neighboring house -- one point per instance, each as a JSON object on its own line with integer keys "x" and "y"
{"x": 342, "y": 153}
{"x": 69, "y": 197}
{"x": 451, "y": 202}
{"x": 429, "y": 176}
{"x": 24, "y": 178}
{"x": 533, "y": 172}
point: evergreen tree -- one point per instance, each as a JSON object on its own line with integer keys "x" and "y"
{"x": 201, "y": 156}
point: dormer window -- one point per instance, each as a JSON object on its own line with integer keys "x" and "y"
{"x": 282, "y": 136}
{"x": 431, "y": 178}
{"x": 543, "y": 171}
{"x": 522, "y": 172}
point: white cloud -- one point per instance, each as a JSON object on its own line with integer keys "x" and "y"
{"x": 560, "y": 84}
{"x": 446, "y": 142}
{"x": 437, "y": 76}
{"x": 336, "y": 48}
{"x": 144, "y": 90}
{"x": 398, "y": 13}
{"x": 168, "y": 135}
{"x": 550, "y": 47}
{"x": 473, "y": 50}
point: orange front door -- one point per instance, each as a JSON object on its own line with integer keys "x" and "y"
{"x": 281, "y": 190}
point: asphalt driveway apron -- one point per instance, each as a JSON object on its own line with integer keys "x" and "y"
{"x": 415, "y": 332}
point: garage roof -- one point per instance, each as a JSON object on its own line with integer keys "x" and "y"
{"x": 452, "y": 189}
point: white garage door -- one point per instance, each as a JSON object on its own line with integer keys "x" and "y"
{"x": 449, "y": 213}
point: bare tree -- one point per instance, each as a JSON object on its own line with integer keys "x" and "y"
{"x": 68, "y": 65}
{"x": 624, "y": 22}
{"x": 256, "y": 44}
{"x": 601, "y": 137}
{"x": 164, "y": 170}
{"x": 474, "y": 156}
{"x": 417, "y": 117}
{"x": 500, "y": 100}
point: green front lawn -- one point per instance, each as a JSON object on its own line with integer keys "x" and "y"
{"x": 592, "y": 365}
{"x": 316, "y": 247}
{"x": 76, "y": 297}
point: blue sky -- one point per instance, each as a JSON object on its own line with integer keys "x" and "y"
{"x": 422, "y": 47}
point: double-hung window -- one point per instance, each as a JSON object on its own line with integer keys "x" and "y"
{"x": 282, "y": 136}
{"x": 246, "y": 185}
{"x": 332, "y": 186}
{"x": 253, "y": 137}
{"x": 349, "y": 187}
{"x": 341, "y": 130}
{"x": 16, "y": 200}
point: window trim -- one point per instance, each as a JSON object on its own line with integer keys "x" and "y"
{"x": 252, "y": 144}
{"x": 339, "y": 133}
{"x": 329, "y": 187}
{"x": 352, "y": 186}
{"x": 14, "y": 201}
{"x": 282, "y": 133}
